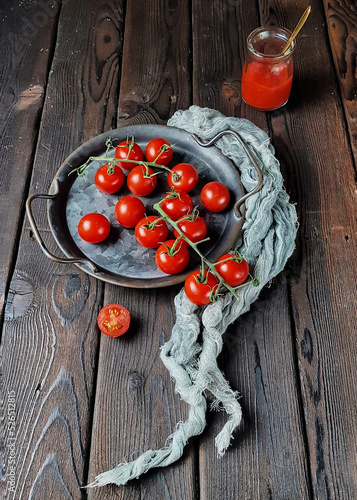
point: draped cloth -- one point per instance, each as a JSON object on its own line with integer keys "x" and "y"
{"x": 267, "y": 240}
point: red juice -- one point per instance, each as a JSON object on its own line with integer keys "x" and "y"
{"x": 267, "y": 76}
{"x": 265, "y": 87}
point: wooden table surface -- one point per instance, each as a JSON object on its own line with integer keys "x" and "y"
{"x": 74, "y": 402}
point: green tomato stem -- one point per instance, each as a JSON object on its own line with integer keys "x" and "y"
{"x": 206, "y": 262}
{"x": 113, "y": 161}
{"x": 163, "y": 149}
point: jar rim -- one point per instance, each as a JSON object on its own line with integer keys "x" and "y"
{"x": 266, "y": 32}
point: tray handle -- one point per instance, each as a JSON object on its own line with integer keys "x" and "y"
{"x": 58, "y": 260}
{"x": 239, "y": 207}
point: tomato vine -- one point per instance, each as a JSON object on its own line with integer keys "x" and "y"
{"x": 112, "y": 161}
{"x": 205, "y": 263}
{"x": 190, "y": 214}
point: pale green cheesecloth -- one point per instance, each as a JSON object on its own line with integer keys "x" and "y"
{"x": 267, "y": 240}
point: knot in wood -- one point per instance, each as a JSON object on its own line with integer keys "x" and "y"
{"x": 128, "y": 109}
{"x": 30, "y": 96}
{"x": 307, "y": 345}
{"x": 20, "y": 297}
{"x": 136, "y": 380}
{"x": 231, "y": 92}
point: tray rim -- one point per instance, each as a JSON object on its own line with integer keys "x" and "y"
{"x": 85, "y": 263}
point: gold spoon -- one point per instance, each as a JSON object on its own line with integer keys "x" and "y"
{"x": 298, "y": 27}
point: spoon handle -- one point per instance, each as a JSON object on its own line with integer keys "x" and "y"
{"x": 298, "y": 27}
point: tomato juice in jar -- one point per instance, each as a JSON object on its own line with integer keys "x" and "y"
{"x": 267, "y": 76}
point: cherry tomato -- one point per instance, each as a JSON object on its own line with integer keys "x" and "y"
{"x": 113, "y": 320}
{"x": 128, "y": 150}
{"x": 215, "y": 196}
{"x": 234, "y": 271}
{"x": 129, "y": 210}
{"x": 94, "y": 228}
{"x": 151, "y": 231}
{"x": 194, "y": 228}
{"x": 183, "y": 176}
{"x": 177, "y": 204}
{"x": 141, "y": 183}
{"x": 172, "y": 256}
{"x": 159, "y": 151}
{"x": 199, "y": 289}
{"x": 109, "y": 183}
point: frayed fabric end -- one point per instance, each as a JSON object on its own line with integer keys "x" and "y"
{"x": 267, "y": 241}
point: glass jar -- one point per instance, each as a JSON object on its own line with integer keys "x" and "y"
{"x": 267, "y": 76}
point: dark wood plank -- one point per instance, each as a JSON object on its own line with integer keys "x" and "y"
{"x": 301, "y": 329}
{"x": 136, "y": 405}
{"x": 50, "y": 336}
{"x": 312, "y": 142}
{"x": 341, "y": 18}
{"x": 27, "y": 32}
{"x": 217, "y": 74}
{"x": 156, "y": 64}
{"x": 267, "y": 458}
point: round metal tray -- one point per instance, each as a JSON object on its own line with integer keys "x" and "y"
{"x": 120, "y": 260}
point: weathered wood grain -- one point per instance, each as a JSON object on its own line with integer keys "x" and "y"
{"x": 51, "y": 379}
{"x": 267, "y": 458}
{"x": 218, "y": 72}
{"x": 292, "y": 357}
{"x": 341, "y": 19}
{"x": 28, "y": 32}
{"x": 50, "y": 336}
{"x": 311, "y": 140}
{"x": 156, "y": 62}
{"x": 136, "y": 405}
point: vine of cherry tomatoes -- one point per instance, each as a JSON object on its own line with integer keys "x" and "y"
{"x": 176, "y": 207}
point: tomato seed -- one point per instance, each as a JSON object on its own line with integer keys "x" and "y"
{"x": 111, "y": 327}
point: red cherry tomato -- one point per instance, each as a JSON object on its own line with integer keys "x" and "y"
{"x": 129, "y": 210}
{"x": 194, "y": 228}
{"x": 129, "y": 150}
{"x": 113, "y": 320}
{"x": 109, "y": 183}
{"x": 172, "y": 257}
{"x": 177, "y": 204}
{"x": 199, "y": 289}
{"x": 234, "y": 271}
{"x": 141, "y": 183}
{"x": 215, "y": 196}
{"x": 150, "y": 231}
{"x": 183, "y": 176}
{"x": 94, "y": 228}
{"x": 159, "y": 151}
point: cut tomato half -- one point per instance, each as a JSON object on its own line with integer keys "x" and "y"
{"x": 113, "y": 320}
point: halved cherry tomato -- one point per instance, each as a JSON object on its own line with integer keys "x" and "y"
{"x": 215, "y": 196}
{"x": 94, "y": 228}
{"x": 183, "y": 176}
{"x": 234, "y": 271}
{"x": 113, "y": 320}
{"x": 177, "y": 204}
{"x": 172, "y": 256}
{"x": 141, "y": 180}
{"x": 199, "y": 289}
{"x": 151, "y": 231}
{"x": 129, "y": 210}
{"x": 159, "y": 151}
{"x": 194, "y": 227}
{"x": 109, "y": 183}
{"x": 129, "y": 150}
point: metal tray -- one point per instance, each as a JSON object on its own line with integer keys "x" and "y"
{"x": 120, "y": 260}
